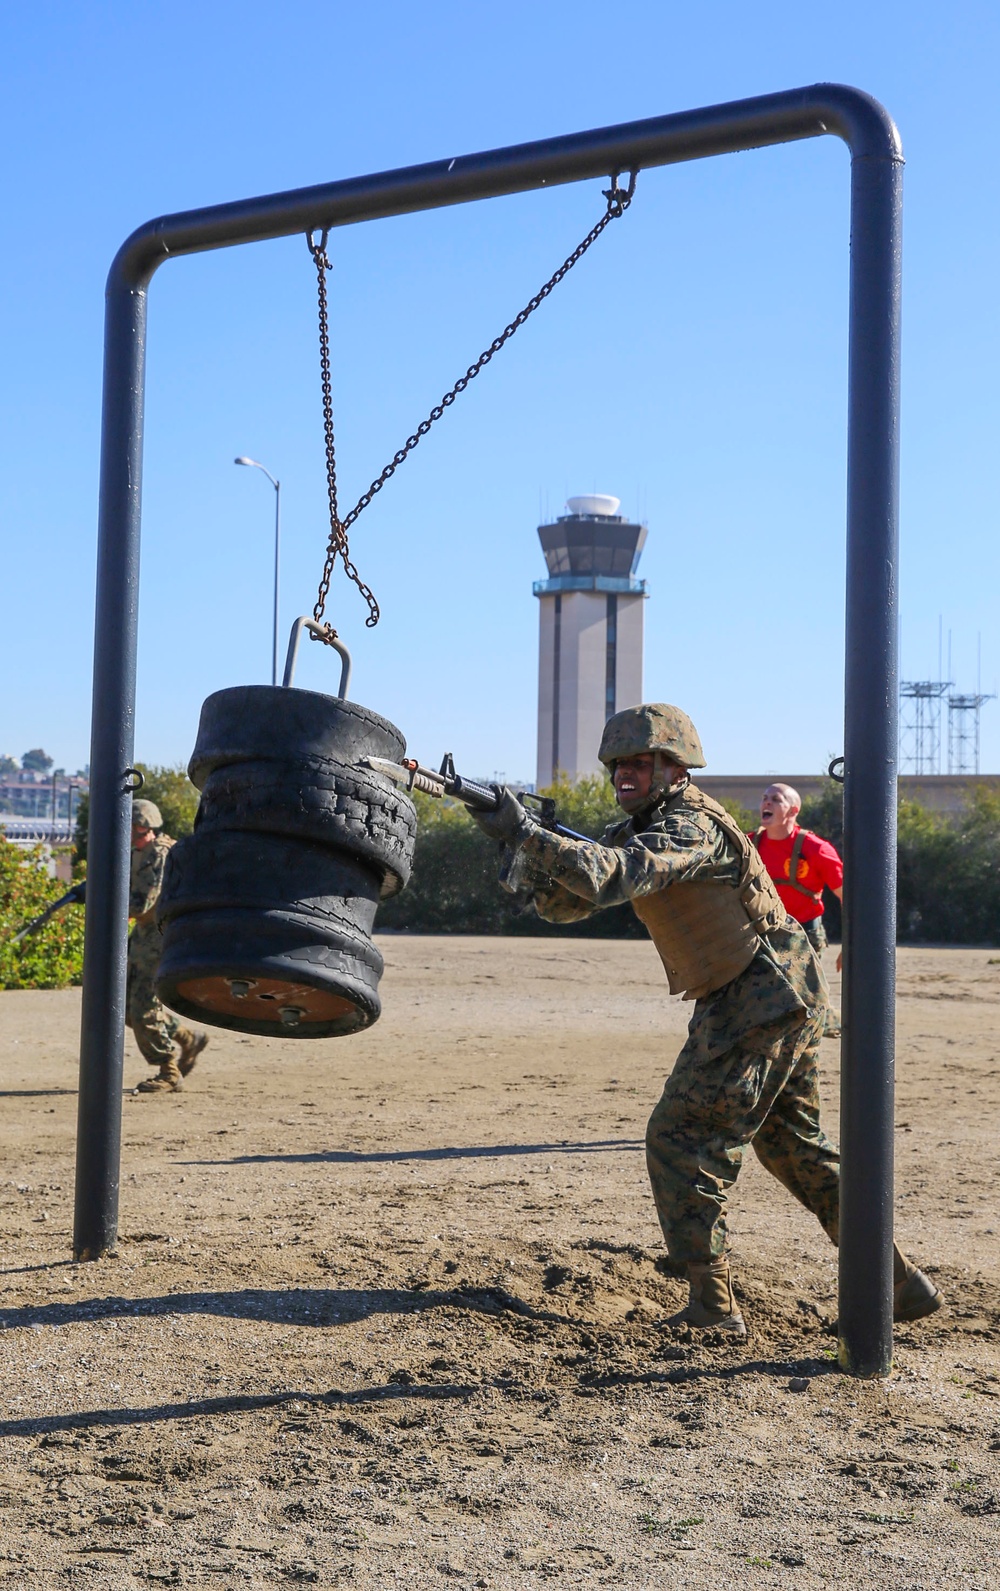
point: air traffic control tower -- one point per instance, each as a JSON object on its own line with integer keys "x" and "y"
{"x": 590, "y": 632}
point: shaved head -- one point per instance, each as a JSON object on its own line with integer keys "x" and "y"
{"x": 779, "y": 807}
{"x": 788, "y": 793}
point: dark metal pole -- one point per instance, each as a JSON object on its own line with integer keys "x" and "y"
{"x": 870, "y": 752}
{"x": 109, "y": 826}
{"x": 277, "y": 564}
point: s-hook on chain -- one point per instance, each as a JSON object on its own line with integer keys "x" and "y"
{"x": 618, "y": 201}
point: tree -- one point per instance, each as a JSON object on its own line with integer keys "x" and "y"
{"x": 8, "y": 765}
{"x": 36, "y": 761}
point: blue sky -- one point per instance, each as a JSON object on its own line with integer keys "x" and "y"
{"x": 694, "y": 364}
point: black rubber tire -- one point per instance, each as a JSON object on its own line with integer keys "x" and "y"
{"x": 257, "y": 906}
{"x": 255, "y": 723}
{"x": 262, "y": 872}
{"x": 352, "y": 809}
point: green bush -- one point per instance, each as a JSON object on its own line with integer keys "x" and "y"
{"x": 52, "y": 958}
{"x": 949, "y": 874}
{"x": 169, "y": 787}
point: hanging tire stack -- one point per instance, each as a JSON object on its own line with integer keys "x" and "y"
{"x": 267, "y": 909}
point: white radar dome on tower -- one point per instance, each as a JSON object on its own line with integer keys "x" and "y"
{"x": 594, "y": 503}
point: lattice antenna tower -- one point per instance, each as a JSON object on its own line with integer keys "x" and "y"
{"x": 920, "y": 725}
{"x": 964, "y": 723}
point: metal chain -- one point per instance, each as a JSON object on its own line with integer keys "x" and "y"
{"x": 618, "y": 201}
{"x": 338, "y": 542}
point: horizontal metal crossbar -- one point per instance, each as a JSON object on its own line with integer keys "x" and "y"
{"x": 799, "y": 113}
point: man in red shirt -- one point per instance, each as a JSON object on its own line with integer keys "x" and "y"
{"x": 800, "y": 863}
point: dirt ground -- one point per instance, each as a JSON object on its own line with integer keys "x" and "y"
{"x": 386, "y": 1309}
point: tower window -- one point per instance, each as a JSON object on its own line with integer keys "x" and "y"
{"x": 556, "y": 650}
{"x": 611, "y": 656}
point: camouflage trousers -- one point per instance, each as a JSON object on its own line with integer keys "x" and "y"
{"x": 816, "y": 935}
{"x": 762, "y": 1091}
{"x": 155, "y": 1028}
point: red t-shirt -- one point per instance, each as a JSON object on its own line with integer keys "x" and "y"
{"x": 819, "y": 864}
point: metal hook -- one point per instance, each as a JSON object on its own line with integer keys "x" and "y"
{"x": 318, "y": 250}
{"x": 620, "y": 198}
{"x": 134, "y": 773}
{"x": 317, "y": 632}
{"x": 838, "y": 762}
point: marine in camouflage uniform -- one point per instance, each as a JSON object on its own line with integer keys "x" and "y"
{"x": 747, "y": 1075}
{"x": 162, "y": 1038}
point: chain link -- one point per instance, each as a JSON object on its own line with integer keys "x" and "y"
{"x": 618, "y": 201}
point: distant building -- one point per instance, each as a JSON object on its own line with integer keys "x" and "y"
{"x": 944, "y": 792}
{"x": 590, "y": 634}
{"x": 32, "y": 798}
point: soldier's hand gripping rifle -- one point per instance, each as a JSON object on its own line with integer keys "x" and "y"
{"x": 73, "y": 897}
{"x": 478, "y": 797}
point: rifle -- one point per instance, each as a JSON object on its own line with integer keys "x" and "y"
{"x": 73, "y": 897}
{"x": 478, "y": 797}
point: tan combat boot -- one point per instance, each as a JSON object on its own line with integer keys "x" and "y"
{"x": 711, "y": 1303}
{"x": 913, "y": 1294}
{"x": 166, "y": 1081}
{"x": 190, "y": 1045}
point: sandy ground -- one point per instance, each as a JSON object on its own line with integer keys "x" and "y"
{"x": 386, "y": 1309}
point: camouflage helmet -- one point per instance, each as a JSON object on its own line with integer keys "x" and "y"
{"x": 654, "y": 726}
{"x": 146, "y": 815}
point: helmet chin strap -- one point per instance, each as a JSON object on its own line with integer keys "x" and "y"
{"x": 661, "y": 784}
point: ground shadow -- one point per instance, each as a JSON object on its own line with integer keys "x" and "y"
{"x": 33, "y": 1093}
{"x": 241, "y": 1404}
{"x": 807, "y": 1368}
{"x": 397, "y": 1392}
{"x": 291, "y": 1306}
{"x": 352, "y": 1157}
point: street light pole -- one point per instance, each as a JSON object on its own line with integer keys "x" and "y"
{"x": 253, "y": 464}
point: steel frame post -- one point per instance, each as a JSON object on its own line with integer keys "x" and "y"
{"x": 98, "y": 1153}
{"x": 871, "y": 669}
{"x": 871, "y": 740}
